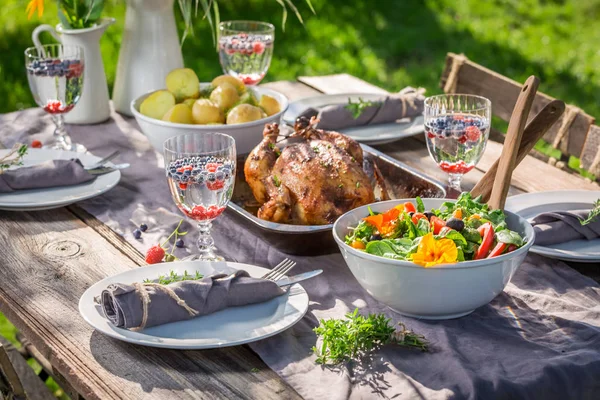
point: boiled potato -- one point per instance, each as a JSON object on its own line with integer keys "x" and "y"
{"x": 244, "y": 113}
{"x": 179, "y": 113}
{"x": 157, "y": 104}
{"x": 269, "y": 104}
{"x": 225, "y": 96}
{"x": 248, "y": 98}
{"x": 189, "y": 102}
{"x": 235, "y": 82}
{"x": 206, "y": 112}
{"x": 183, "y": 83}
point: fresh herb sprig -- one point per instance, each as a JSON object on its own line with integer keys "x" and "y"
{"x": 172, "y": 276}
{"x": 351, "y": 338}
{"x": 360, "y": 106}
{"x": 594, "y": 213}
{"x": 171, "y": 256}
{"x": 14, "y": 157}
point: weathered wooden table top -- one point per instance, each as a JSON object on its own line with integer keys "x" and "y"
{"x": 49, "y": 258}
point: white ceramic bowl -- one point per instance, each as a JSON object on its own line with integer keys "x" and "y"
{"x": 440, "y": 292}
{"x": 246, "y": 136}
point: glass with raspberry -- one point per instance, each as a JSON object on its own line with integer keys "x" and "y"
{"x": 200, "y": 170}
{"x": 456, "y": 131}
{"x": 55, "y": 75}
{"x": 245, "y": 49}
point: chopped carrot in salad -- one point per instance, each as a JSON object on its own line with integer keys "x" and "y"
{"x": 459, "y": 231}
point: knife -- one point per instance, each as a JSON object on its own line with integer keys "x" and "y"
{"x": 298, "y": 278}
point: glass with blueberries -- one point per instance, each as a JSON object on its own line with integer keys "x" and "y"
{"x": 245, "y": 49}
{"x": 200, "y": 169}
{"x": 55, "y": 75}
{"x": 456, "y": 131}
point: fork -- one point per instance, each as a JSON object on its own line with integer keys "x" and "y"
{"x": 106, "y": 159}
{"x": 280, "y": 270}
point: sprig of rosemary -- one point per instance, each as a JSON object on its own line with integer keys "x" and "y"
{"x": 174, "y": 277}
{"x": 360, "y": 106}
{"x": 14, "y": 157}
{"x": 594, "y": 213}
{"x": 351, "y": 338}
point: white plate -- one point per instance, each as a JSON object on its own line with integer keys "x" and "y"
{"x": 372, "y": 135}
{"x": 529, "y": 205}
{"x": 43, "y": 199}
{"x": 229, "y": 327}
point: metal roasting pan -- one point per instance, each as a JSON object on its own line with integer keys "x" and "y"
{"x": 401, "y": 181}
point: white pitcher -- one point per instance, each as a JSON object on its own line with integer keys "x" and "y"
{"x": 93, "y": 106}
{"x": 149, "y": 51}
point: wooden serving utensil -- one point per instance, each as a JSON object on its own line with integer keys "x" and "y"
{"x": 514, "y": 135}
{"x": 533, "y": 132}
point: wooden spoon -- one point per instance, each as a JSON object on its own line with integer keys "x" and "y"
{"x": 514, "y": 134}
{"x": 534, "y": 131}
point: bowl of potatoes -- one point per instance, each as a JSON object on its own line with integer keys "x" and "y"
{"x": 224, "y": 105}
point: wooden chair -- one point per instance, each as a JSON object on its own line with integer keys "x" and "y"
{"x": 573, "y": 134}
{"x": 17, "y": 380}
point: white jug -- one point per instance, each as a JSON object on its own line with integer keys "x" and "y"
{"x": 149, "y": 51}
{"x": 93, "y": 106}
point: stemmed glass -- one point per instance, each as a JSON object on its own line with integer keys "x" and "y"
{"x": 245, "y": 49}
{"x": 200, "y": 170}
{"x": 456, "y": 131}
{"x": 55, "y": 75}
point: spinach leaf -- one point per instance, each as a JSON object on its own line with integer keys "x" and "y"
{"x": 471, "y": 235}
{"x": 362, "y": 231}
{"x": 411, "y": 228}
{"x": 400, "y": 246}
{"x": 378, "y": 248}
{"x": 474, "y": 223}
{"x": 461, "y": 254}
{"x": 496, "y": 217}
{"x": 423, "y": 227}
{"x": 470, "y": 248}
{"x": 509, "y": 237}
{"x": 420, "y": 205}
{"x": 453, "y": 235}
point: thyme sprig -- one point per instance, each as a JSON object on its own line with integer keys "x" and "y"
{"x": 14, "y": 157}
{"x": 348, "y": 339}
{"x": 172, "y": 276}
{"x": 594, "y": 213}
{"x": 360, "y": 106}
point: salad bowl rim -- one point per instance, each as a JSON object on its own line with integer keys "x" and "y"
{"x": 457, "y": 265}
{"x": 136, "y": 103}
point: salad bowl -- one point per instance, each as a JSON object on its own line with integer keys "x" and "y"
{"x": 442, "y": 291}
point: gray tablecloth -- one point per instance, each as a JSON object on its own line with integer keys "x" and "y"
{"x": 540, "y": 339}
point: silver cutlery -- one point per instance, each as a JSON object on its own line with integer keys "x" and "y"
{"x": 280, "y": 270}
{"x": 298, "y": 278}
{"x": 106, "y": 169}
{"x": 106, "y": 159}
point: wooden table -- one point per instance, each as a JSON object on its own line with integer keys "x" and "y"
{"x": 49, "y": 258}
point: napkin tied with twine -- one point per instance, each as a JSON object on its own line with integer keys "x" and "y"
{"x": 143, "y": 305}
{"x": 564, "y": 226}
{"x": 51, "y": 173}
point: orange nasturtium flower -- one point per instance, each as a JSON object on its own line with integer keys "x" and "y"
{"x": 35, "y": 5}
{"x": 432, "y": 252}
{"x": 386, "y": 222}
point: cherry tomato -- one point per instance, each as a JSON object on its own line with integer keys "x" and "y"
{"x": 496, "y": 251}
{"x": 409, "y": 207}
{"x": 417, "y": 216}
{"x": 487, "y": 231}
{"x": 511, "y": 247}
{"x": 437, "y": 224}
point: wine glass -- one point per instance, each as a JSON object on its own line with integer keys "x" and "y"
{"x": 200, "y": 170}
{"x": 456, "y": 131}
{"x": 55, "y": 75}
{"x": 245, "y": 49}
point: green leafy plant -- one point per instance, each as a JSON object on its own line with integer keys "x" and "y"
{"x": 14, "y": 157}
{"x": 79, "y": 14}
{"x": 360, "y": 106}
{"x": 349, "y": 339}
{"x": 172, "y": 277}
{"x": 594, "y": 213}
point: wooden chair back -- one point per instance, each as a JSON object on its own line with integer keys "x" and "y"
{"x": 573, "y": 134}
{"x": 10, "y": 384}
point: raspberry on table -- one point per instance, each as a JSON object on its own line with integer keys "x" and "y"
{"x": 36, "y": 144}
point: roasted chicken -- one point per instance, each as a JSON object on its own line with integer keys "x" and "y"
{"x": 310, "y": 182}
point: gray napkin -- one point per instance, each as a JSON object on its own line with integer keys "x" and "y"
{"x": 563, "y": 226}
{"x": 407, "y": 103}
{"x": 48, "y": 174}
{"x": 123, "y": 305}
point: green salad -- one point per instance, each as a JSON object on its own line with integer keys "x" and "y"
{"x": 459, "y": 231}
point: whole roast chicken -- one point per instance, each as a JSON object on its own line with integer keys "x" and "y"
{"x": 310, "y": 182}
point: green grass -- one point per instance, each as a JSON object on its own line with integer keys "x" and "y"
{"x": 391, "y": 43}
